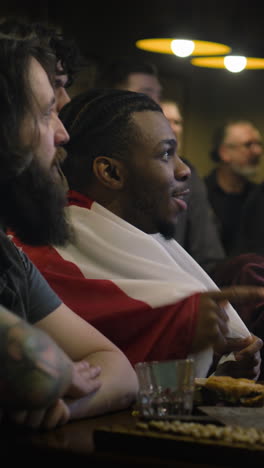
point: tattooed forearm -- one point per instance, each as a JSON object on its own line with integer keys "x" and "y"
{"x": 34, "y": 371}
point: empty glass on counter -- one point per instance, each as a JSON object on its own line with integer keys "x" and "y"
{"x": 166, "y": 388}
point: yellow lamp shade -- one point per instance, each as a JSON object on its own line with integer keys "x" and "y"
{"x": 163, "y": 46}
{"x": 252, "y": 63}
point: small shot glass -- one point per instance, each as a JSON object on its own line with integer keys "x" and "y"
{"x": 166, "y": 388}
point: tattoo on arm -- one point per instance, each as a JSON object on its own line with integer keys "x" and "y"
{"x": 34, "y": 371}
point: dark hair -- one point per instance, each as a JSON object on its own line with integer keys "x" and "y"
{"x": 116, "y": 73}
{"x": 65, "y": 50}
{"x": 100, "y": 123}
{"x": 16, "y": 99}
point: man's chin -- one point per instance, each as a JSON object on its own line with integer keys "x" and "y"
{"x": 248, "y": 172}
{"x": 167, "y": 230}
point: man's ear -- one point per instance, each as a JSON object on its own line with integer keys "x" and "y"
{"x": 109, "y": 172}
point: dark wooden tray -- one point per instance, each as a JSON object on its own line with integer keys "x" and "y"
{"x": 130, "y": 440}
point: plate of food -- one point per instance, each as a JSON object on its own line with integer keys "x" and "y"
{"x": 228, "y": 391}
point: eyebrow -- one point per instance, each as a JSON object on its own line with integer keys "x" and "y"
{"x": 51, "y": 103}
{"x": 170, "y": 142}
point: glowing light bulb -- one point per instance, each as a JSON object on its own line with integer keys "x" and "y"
{"x": 235, "y": 63}
{"x": 182, "y": 47}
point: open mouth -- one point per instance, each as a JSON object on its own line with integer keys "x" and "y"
{"x": 180, "y": 199}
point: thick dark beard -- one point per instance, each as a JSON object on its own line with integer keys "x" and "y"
{"x": 32, "y": 206}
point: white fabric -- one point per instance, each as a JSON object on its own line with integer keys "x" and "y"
{"x": 145, "y": 267}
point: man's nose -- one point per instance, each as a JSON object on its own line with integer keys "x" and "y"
{"x": 61, "y": 134}
{"x": 182, "y": 171}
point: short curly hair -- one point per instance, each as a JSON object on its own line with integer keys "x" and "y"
{"x": 65, "y": 50}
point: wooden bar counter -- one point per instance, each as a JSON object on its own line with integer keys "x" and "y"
{"x": 114, "y": 440}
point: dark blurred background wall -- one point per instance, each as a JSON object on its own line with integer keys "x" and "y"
{"x": 208, "y": 96}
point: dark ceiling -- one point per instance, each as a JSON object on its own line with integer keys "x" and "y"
{"x": 109, "y": 29}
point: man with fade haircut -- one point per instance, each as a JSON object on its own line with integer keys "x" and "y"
{"x": 123, "y": 271}
{"x": 55, "y": 367}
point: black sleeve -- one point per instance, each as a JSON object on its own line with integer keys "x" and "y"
{"x": 250, "y": 235}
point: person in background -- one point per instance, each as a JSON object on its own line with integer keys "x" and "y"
{"x": 237, "y": 149}
{"x": 61, "y": 368}
{"x": 246, "y": 268}
{"x": 132, "y": 75}
{"x": 128, "y": 275}
{"x": 250, "y": 235}
{"x": 195, "y": 230}
{"x": 172, "y": 112}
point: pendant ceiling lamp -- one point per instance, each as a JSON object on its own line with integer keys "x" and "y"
{"x": 182, "y": 47}
{"x": 205, "y": 54}
{"x": 232, "y": 63}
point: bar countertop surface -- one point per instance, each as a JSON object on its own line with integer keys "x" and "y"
{"x": 115, "y": 440}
